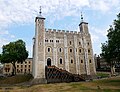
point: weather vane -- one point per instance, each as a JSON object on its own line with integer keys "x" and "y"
{"x": 81, "y": 17}
{"x": 40, "y": 11}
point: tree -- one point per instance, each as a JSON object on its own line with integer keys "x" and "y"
{"x": 14, "y": 52}
{"x": 111, "y": 48}
{"x": 0, "y": 58}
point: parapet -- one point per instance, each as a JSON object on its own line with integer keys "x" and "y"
{"x": 67, "y": 31}
{"x": 54, "y": 30}
{"x": 61, "y": 31}
{"x": 49, "y": 30}
{"x": 75, "y": 32}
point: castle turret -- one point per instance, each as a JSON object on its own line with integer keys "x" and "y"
{"x": 87, "y": 46}
{"x": 39, "y": 50}
{"x": 84, "y": 32}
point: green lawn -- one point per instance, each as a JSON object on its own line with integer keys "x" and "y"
{"x": 103, "y": 74}
{"x": 102, "y": 85}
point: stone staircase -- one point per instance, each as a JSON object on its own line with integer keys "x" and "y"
{"x": 56, "y": 75}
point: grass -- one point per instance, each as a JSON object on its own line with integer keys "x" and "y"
{"x": 102, "y": 85}
{"x": 15, "y": 79}
{"x": 102, "y": 74}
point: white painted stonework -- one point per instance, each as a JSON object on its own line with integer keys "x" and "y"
{"x": 73, "y": 48}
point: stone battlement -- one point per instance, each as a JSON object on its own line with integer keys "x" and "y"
{"x": 61, "y": 31}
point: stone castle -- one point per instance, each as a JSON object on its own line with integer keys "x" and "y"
{"x": 68, "y": 50}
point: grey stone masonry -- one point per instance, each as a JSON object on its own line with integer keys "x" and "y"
{"x": 68, "y": 50}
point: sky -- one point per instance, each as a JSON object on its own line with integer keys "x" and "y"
{"x": 17, "y": 18}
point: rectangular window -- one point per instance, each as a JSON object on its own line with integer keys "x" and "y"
{"x": 8, "y": 69}
{"x": 21, "y": 66}
{"x": 17, "y": 70}
{"x": 25, "y": 65}
{"x": 25, "y": 70}
{"x": 17, "y": 66}
{"x": 21, "y": 70}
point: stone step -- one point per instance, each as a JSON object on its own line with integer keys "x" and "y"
{"x": 54, "y": 74}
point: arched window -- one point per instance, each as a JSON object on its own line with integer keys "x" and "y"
{"x": 60, "y": 61}
{"x": 88, "y": 43}
{"x": 46, "y": 40}
{"x": 70, "y": 50}
{"x": 80, "y": 50}
{"x": 48, "y": 49}
{"x": 48, "y": 62}
{"x": 90, "y": 60}
{"x": 81, "y": 61}
{"x": 70, "y": 42}
{"x": 89, "y": 51}
{"x": 57, "y": 41}
{"x": 71, "y": 60}
{"x": 60, "y": 50}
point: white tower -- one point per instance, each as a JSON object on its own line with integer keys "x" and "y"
{"x": 39, "y": 50}
{"x": 85, "y": 35}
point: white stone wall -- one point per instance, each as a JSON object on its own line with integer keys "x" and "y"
{"x": 78, "y": 41}
{"x": 71, "y": 51}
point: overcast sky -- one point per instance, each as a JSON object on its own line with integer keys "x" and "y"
{"x": 17, "y": 18}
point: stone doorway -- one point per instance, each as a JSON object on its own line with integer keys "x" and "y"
{"x": 48, "y": 62}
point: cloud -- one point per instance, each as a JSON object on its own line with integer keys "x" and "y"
{"x": 94, "y": 38}
{"x": 100, "y": 5}
{"x": 5, "y": 37}
{"x": 20, "y": 12}
{"x": 79, "y": 3}
{"x": 3, "y": 41}
{"x": 98, "y": 36}
{"x": 3, "y": 32}
{"x": 100, "y": 32}
{"x": 104, "y": 5}
{"x": 29, "y": 49}
{"x": 24, "y": 11}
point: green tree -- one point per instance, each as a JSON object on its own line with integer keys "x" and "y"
{"x": 0, "y": 58}
{"x": 14, "y": 52}
{"x": 111, "y": 48}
